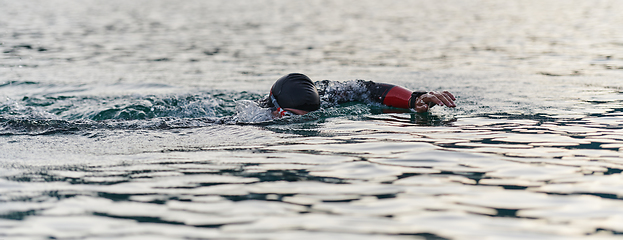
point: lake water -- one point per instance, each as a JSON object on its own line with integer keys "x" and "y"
{"x": 130, "y": 120}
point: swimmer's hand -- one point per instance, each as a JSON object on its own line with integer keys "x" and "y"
{"x": 424, "y": 102}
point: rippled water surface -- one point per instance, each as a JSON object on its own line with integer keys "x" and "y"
{"x": 135, "y": 120}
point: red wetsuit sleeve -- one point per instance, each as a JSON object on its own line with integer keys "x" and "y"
{"x": 397, "y": 97}
{"x": 390, "y": 95}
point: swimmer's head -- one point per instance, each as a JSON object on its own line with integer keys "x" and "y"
{"x": 296, "y": 91}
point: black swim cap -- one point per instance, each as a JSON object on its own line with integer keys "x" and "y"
{"x": 296, "y": 91}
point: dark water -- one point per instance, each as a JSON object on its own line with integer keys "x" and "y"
{"x": 134, "y": 120}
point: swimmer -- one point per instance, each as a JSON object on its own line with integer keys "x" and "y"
{"x": 296, "y": 94}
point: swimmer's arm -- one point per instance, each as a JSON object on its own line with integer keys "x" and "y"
{"x": 397, "y": 96}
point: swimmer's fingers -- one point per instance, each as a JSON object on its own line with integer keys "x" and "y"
{"x": 431, "y": 98}
{"x": 450, "y": 98}
{"x": 426, "y": 101}
{"x": 446, "y": 98}
{"x": 448, "y": 94}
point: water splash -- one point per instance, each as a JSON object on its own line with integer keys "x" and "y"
{"x": 249, "y": 112}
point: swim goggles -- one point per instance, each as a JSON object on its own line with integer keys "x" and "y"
{"x": 281, "y": 112}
